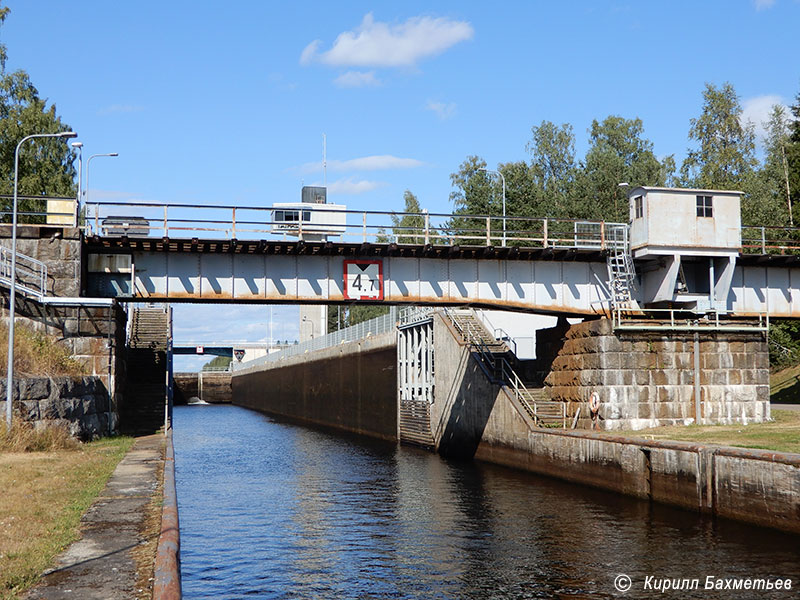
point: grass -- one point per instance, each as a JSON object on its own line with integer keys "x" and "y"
{"x": 43, "y": 497}
{"x": 36, "y": 354}
{"x": 781, "y": 435}
{"x": 784, "y": 385}
{"x": 25, "y": 437}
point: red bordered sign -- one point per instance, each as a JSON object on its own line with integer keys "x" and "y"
{"x": 363, "y": 280}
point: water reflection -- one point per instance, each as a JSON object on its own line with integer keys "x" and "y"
{"x": 273, "y": 510}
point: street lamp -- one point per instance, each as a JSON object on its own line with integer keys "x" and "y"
{"x": 13, "y": 273}
{"x": 310, "y": 322}
{"x": 503, "y": 179}
{"x": 88, "y": 162}
{"x": 79, "y": 146}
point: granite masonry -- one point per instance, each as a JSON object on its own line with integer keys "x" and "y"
{"x": 647, "y": 379}
{"x": 94, "y": 336}
{"x": 80, "y": 404}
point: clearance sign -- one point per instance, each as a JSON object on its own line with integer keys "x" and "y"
{"x": 363, "y": 280}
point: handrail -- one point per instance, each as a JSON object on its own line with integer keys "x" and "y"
{"x": 679, "y": 319}
{"x": 499, "y": 370}
{"x": 30, "y": 274}
{"x": 229, "y": 222}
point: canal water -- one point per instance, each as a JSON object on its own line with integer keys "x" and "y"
{"x": 270, "y": 509}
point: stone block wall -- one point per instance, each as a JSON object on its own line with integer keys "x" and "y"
{"x": 95, "y": 337}
{"x": 647, "y": 379}
{"x": 81, "y": 404}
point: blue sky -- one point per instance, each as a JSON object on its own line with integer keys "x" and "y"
{"x": 226, "y": 103}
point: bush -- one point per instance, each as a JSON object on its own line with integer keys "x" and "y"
{"x": 36, "y": 354}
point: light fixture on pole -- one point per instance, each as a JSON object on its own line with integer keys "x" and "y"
{"x": 310, "y": 322}
{"x": 79, "y": 146}
{"x": 503, "y": 179}
{"x": 88, "y": 162}
{"x": 13, "y": 273}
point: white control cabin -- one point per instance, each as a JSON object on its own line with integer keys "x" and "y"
{"x": 685, "y": 243}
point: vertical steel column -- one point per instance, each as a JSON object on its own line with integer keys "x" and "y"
{"x": 697, "y": 411}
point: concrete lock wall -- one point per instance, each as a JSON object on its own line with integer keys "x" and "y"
{"x": 212, "y": 387}
{"x": 471, "y": 417}
{"x": 81, "y": 404}
{"x": 647, "y": 379}
{"x": 756, "y": 486}
{"x": 352, "y": 387}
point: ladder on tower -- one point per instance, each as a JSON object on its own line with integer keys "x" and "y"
{"x": 621, "y": 271}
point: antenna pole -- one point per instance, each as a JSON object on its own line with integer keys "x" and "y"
{"x": 324, "y": 160}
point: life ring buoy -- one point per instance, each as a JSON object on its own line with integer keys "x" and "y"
{"x": 594, "y": 402}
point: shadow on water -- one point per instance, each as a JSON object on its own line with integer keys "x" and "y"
{"x": 274, "y": 510}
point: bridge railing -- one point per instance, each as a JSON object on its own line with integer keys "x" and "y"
{"x": 256, "y": 223}
{"x": 770, "y": 240}
{"x": 40, "y": 211}
{"x": 677, "y": 319}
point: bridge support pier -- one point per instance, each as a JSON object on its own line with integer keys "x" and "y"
{"x": 650, "y": 378}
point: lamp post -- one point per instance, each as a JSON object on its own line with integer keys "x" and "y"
{"x": 13, "y": 273}
{"x": 89, "y": 162}
{"x": 79, "y": 146}
{"x": 310, "y": 322}
{"x": 503, "y": 179}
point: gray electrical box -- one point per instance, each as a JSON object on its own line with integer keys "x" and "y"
{"x": 314, "y": 195}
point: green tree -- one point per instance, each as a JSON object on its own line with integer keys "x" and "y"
{"x": 617, "y": 153}
{"x": 342, "y": 316}
{"x": 45, "y": 165}
{"x": 472, "y": 195}
{"x": 553, "y": 169}
{"x": 793, "y": 151}
{"x": 769, "y": 184}
{"x": 217, "y": 363}
{"x": 725, "y": 158}
{"x": 411, "y": 222}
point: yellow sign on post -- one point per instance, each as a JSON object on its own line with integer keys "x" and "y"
{"x": 60, "y": 212}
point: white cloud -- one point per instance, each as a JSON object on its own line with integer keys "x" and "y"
{"x": 763, "y": 4}
{"x": 119, "y": 109}
{"x": 309, "y": 52}
{"x": 353, "y": 79}
{"x": 381, "y": 162}
{"x": 352, "y": 186}
{"x": 377, "y": 44}
{"x": 756, "y": 110}
{"x": 443, "y": 110}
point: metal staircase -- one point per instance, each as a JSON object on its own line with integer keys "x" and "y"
{"x": 492, "y": 355}
{"x": 146, "y": 392}
{"x": 30, "y": 274}
{"x": 621, "y": 272}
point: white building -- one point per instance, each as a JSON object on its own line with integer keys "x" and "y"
{"x": 685, "y": 243}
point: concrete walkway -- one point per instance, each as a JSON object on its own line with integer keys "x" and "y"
{"x": 101, "y": 564}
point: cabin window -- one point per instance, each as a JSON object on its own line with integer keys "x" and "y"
{"x": 704, "y": 206}
{"x": 638, "y": 208}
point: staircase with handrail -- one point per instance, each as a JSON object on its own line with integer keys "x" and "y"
{"x": 493, "y": 357}
{"x": 621, "y": 272}
{"x": 148, "y": 338}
